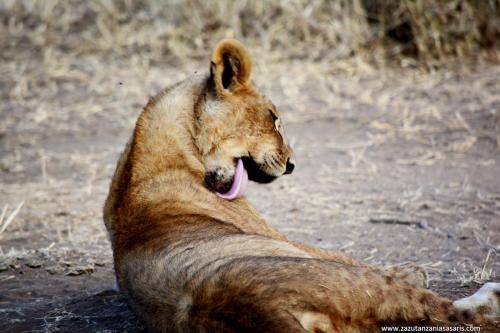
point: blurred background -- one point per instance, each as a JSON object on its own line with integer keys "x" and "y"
{"x": 393, "y": 108}
{"x": 396, "y": 32}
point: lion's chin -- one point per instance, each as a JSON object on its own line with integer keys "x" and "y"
{"x": 214, "y": 182}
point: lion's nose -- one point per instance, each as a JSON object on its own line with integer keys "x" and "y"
{"x": 290, "y": 165}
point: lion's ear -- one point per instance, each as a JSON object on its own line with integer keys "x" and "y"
{"x": 230, "y": 66}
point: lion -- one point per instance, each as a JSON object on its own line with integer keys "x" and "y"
{"x": 193, "y": 255}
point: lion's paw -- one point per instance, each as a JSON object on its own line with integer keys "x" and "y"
{"x": 485, "y": 301}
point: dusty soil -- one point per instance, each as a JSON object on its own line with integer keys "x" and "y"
{"x": 392, "y": 167}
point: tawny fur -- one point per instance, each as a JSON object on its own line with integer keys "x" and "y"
{"x": 191, "y": 261}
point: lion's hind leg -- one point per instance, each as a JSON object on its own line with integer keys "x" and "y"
{"x": 321, "y": 295}
{"x": 408, "y": 273}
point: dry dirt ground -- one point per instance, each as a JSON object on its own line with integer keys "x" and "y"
{"x": 392, "y": 167}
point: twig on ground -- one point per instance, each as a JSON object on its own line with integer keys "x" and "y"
{"x": 393, "y": 220}
{"x": 4, "y": 210}
{"x": 484, "y": 276}
{"x": 11, "y": 217}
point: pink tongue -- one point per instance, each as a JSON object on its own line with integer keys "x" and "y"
{"x": 239, "y": 185}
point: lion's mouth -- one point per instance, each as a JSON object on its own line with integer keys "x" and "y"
{"x": 255, "y": 171}
{"x": 246, "y": 169}
{"x": 239, "y": 183}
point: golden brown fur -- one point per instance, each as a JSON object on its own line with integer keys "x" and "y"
{"x": 194, "y": 262}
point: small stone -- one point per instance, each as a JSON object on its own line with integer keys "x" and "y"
{"x": 53, "y": 270}
{"x": 3, "y": 267}
{"x": 14, "y": 265}
{"x": 68, "y": 263}
{"x": 79, "y": 270}
{"x": 34, "y": 264}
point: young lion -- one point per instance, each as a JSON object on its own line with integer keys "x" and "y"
{"x": 194, "y": 256}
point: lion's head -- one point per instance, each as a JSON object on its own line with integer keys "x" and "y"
{"x": 235, "y": 121}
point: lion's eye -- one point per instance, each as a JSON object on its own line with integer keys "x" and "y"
{"x": 276, "y": 120}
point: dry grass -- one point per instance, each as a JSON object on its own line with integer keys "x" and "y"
{"x": 423, "y": 32}
{"x": 5, "y": 223}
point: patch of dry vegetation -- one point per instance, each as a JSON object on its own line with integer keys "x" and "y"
{"x": 426, "y": 33}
